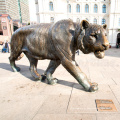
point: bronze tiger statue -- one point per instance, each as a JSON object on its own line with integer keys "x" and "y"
{"x": 58, "y": 42}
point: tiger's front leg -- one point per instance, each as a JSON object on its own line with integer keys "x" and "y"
{"x": 74, "y": 70}
{"x": 50, "y": 70}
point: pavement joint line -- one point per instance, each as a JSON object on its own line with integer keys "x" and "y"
{"x": 35, "y": 114}
{"x": 37, "y": 111}
{"x": 69, "y": 98}
{"x": 38, "y": 108}
{"x": 114, "y": 81}
{"x": 114, "y": 95}
{"x": 102, "y": 74}
{"x": 115, "y": 69}
{"x": 96, "y": 116}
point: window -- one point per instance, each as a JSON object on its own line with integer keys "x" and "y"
{"x": 87, "y": 8}
{"x": 104, "y": 9}
{"x": 78, "y": 20}
{"x": 69, "y": 8}
{"x": 119, "y": 21}
{"x": 103, "y": 21}
{"x": 95, "y": 8}
{"x": 52, "y": 20}
{"x": 78, "y": 8}
{"x": 87, "y": 19}
{"x": 50, "y": 6}
{"x": 95, "y": 21}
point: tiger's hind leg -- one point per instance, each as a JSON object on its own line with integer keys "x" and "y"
{"x": 13, "y": 57}
{"x": 33, "y": 66}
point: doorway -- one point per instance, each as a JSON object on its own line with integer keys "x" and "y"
{"x": 118, "y": 41}
{"x": 1, "y": 32}
{"x": 118, "y": 38}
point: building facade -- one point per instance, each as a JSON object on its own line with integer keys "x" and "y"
{"x": 6, "y": 27}
{"x": 17, "y": 9}
{"x": 95, "y": 11}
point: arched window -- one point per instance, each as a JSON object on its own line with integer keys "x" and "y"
{"x": 103, "y": 21}
{"x": 78, "y": 8}
{"x": 51, "y": 6}
{"x": 119, "y": 22}
{"x": 87, "y": 8}
{"x": 69, "y": 8}
{"x": 52, "y": 20}
{"x": 78, "y": 20}
{"x": 95, "y": 21}
{"x": 104, "y": 8}
{"x": 95, "y": 8}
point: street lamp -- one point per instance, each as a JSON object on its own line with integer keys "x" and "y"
{"x": 20, "y": 11}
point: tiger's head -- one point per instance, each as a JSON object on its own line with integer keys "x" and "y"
{"x": 94, "y": 39}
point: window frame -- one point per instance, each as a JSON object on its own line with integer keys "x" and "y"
{"x": 78, "y": 20}
{"x": 86, "y": 8}
{"x": 78, "y": 8}
{"x": 87, "y": 19}
{"x": 69, "y": 8}
{"x": 95, "y": 8}
{"x": 103, "y": 21}
{"x": 119, "y": 22}
{"x": 51, "y": 6}
{"x": 95, "y": 21}
{"x": 104, "y": 8}
{"x": 52, "y": 19}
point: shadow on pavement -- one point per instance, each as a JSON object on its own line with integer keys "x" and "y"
{"x": 71, "y": 84}
{"x": 26, "y": 73}
{"x": 24, "y": 70}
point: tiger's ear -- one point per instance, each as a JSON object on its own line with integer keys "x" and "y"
{"x": 105, "y": 26}
{"x": 84, "y": 24}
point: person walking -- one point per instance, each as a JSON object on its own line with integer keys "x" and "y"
{"x": 7, "y": 46}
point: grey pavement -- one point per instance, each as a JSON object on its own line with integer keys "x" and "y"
{"x": 21, "y": 98}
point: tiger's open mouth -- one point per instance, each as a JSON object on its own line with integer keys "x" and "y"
{"x": 99, "y": 54}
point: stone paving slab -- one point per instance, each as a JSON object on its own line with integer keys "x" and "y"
{"x": 65, "y": 117}
{"x": 98, "y": 77}
{"x": 62, "y": 88}
{"x": 108, "y": 116}
{"x": 116, "y": 80}
{"x": 116, "y": 91}
{"x": 55, "y": 105}
{"x": 84, "y": 102}
{"x": 20, "y": 107}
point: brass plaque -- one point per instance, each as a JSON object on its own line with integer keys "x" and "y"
{"x": 105, "y": 105}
